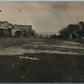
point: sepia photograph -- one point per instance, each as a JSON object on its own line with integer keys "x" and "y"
{"x": 41, "y": 42}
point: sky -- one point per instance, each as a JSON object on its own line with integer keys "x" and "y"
{"x": 45, "y": 17}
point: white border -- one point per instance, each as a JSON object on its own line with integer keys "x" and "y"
{"x": 41, "y": 0}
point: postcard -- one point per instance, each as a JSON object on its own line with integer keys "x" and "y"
{"x": 41, "y": 42}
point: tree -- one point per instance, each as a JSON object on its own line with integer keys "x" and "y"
{"x": 65, "y": 33}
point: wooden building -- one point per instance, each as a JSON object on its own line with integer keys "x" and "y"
{"x": 5, "y": 29}
{"x": 5, "y": 32}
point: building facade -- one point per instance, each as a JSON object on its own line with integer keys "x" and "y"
{"x": 5, "y": 29}
{"x": 23, "y": 31}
